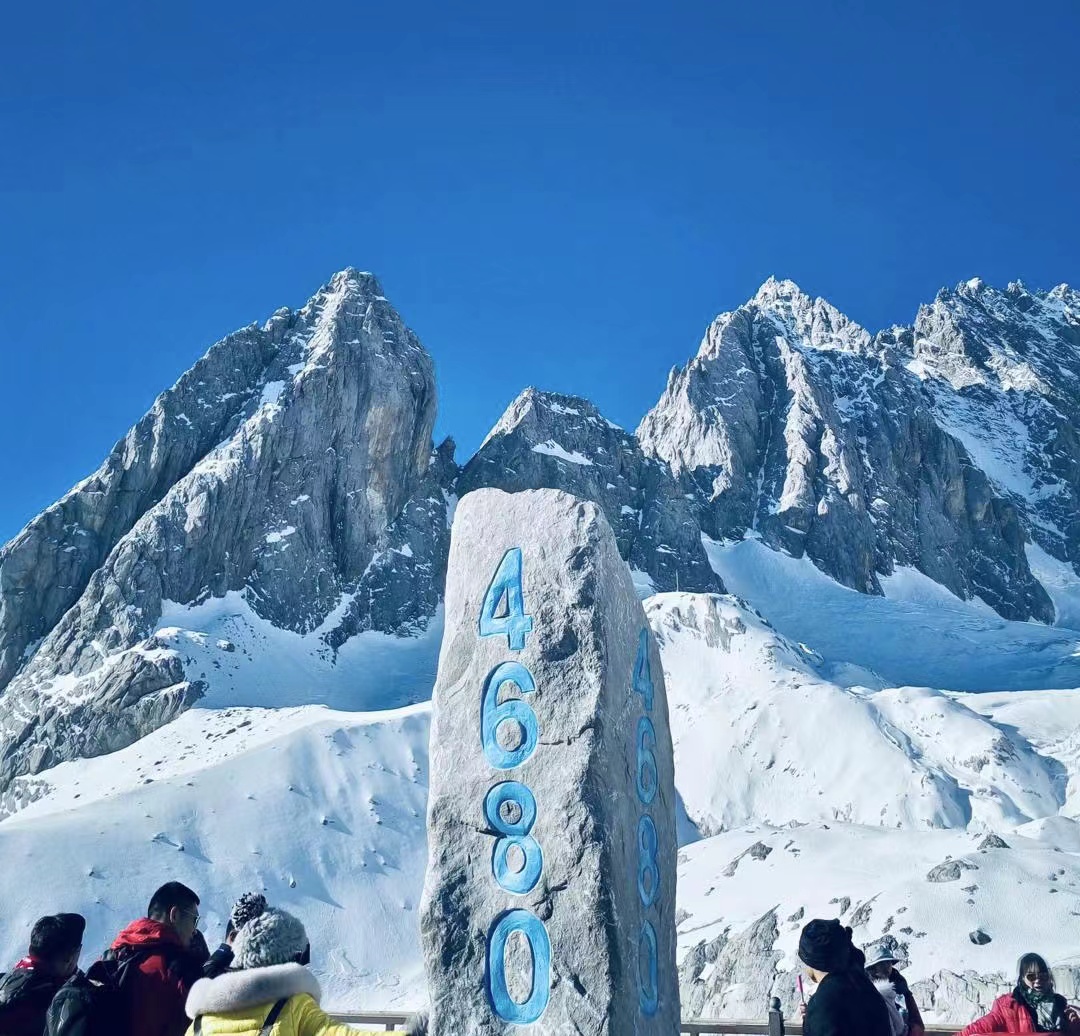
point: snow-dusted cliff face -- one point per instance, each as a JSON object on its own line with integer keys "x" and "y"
{"x": 945, "y": 448}
{"x": 277, "y": 466}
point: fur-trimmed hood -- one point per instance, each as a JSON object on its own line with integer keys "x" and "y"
{"x": 237, "y": 990}
{"x": 885, "y": 988}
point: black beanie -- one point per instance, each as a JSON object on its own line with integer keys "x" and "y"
{"x": 825, "y": 946}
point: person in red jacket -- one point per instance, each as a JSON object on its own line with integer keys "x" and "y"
{"x": 1032, "y": 1006}
{"x": 169, "y": 954}
{"x": 27, "y": 990}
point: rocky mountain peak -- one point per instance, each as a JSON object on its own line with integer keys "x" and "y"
{"x": 805, "y": 320}
{"x": 275, "y": 468}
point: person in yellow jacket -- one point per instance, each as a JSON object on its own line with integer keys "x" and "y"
{"x": 269, "y": 990}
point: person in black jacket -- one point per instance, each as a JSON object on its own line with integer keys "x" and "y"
{"x": 27, "y": 990}
{"x": 846, "y": 1002}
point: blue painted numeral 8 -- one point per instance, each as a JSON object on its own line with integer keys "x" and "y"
{"x": 493, "y": 714}
{"x": 532, "y": 928}
{"x": 506, "y": 583}
{"x": 648, "y": 875}
{"x": 520, "y": 800}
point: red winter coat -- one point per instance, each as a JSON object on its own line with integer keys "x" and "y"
{"x": 157, "y": 994}
{"x": 1010, "y": 1015}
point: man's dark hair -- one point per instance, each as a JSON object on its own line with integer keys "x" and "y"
{"x": 57, "y": 936}
{"x": 171, "y": 894}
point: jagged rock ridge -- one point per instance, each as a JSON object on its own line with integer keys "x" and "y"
{"x": 795, "y": 423}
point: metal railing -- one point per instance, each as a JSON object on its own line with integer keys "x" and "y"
{"x": 690, "y": 1027}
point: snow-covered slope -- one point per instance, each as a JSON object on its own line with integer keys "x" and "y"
{"x": 323, "y": 810}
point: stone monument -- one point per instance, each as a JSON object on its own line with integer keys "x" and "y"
{"x": 549, "y": 905}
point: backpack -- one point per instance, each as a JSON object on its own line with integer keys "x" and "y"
{"x": 96, "y": 1004}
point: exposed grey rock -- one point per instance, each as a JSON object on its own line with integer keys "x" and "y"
{"x": 546, "y": 440}
{"x": 993, "y": 841}
{"x": 950, "y": 870}
{"x": 274, "y": 468}
{"x": 741, "y": 981}
{"x": 793, "y": 422}
{"x": 581, "y": 652}
{"x": 979, "y": 937}
{"x": 1002, "y": 368}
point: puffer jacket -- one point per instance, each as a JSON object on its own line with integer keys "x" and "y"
{"x": 237, "y": 1003}
{"x": 1011, "y": 1014}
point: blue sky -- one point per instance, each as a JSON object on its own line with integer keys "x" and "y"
{"x": 560, "y": 194}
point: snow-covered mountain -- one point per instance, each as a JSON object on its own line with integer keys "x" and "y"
{"x": 215, "y": 651}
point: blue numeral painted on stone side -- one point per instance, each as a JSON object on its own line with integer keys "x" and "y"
{"x": 515, "y": 833}
{"x": 648, "y": 976}
{"x": 648, "y": 876}
{"x": 532, "y": 928}
{"x": 493, "y": 714}
{"x": 648, "y": 778}
{"x": 643, "y": 672}
{"x": 506, "y": 583}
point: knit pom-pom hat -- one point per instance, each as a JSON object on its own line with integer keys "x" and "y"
{"x": 274, "y": 937}
{"x": 249, "y": 905}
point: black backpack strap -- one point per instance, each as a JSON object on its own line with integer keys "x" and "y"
{"x": 272, "y": 1017}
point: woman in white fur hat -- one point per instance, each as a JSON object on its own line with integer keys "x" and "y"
{"x": 270, "y": 987}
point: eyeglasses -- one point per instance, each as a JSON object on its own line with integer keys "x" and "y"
{"x": 196, "y": 918}
{"x": 1034, "y": 976}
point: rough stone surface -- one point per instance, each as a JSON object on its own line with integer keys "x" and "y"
{"x": 581, "y": 652}
{"x": 275, "y": 468}
{"x": 741, "y": 978}
{"x": 546, "y": 440}
{"x": 793, "y": 422}
{"x": 993, "y": 841}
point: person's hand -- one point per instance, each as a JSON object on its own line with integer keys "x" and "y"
{"x": 898, "y": 981}
{"x": 802, "y": 1011}
{"x": 1072, "y": 1015}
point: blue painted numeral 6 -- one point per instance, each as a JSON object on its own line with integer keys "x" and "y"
{"x": 532, "y": 928}
{"x": 648, "y": 975}
{"x": 648, "y": 777}
{"x": 515, "y": 833}
{"x": 643, "y": 672}
{"x": 493, "y": 714}
{"x": 506, "y": 583}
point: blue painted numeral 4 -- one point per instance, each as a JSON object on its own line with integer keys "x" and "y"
{"x": 513, "y": 621}
{"x": 643, "y": 671}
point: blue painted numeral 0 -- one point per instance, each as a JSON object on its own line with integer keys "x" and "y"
{"x": 648, "y": 972}
{"x": 506, "y": 583}
{"x": 493, "y": 714}
{"x": 532, "y": 928}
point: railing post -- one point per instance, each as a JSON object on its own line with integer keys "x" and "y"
{"x": 776, "y": 1018}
